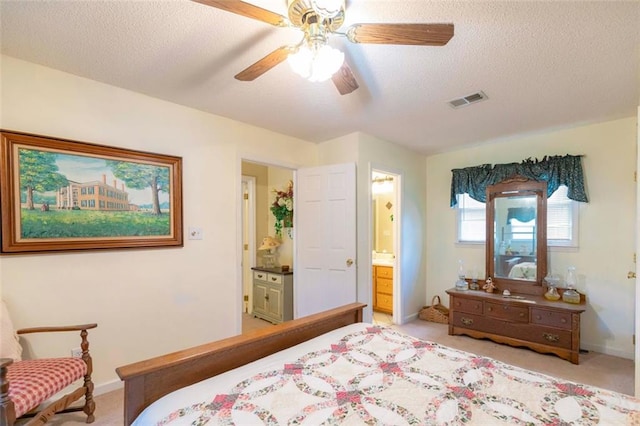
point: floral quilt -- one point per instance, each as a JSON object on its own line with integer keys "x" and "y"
{"x": 375, "y": 375}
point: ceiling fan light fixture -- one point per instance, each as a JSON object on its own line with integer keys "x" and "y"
{"x": 317, "y": 63}
{"x": 328, "y": 8}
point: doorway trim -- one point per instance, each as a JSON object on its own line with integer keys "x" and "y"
{"x": 398, "y": 308}
{"x": 248, "y": 227}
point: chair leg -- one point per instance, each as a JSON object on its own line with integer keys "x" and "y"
{"x": 89, "y": 403}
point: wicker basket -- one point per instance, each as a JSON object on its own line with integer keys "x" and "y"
{"x": 437, "y": 312}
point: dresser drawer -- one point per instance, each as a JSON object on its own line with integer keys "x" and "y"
{"x": 259, "y": 275}
{"x": 551, "y": 318}
{"x": 546, "y": 336}
{"x": 471, "y": 306}
{"x": 473, "y": 322}
{"x": 274, "y": 278}
{"x": 519, "y": 331}
{"x": 384, "y": 272}
{"x": 507, "y": 312}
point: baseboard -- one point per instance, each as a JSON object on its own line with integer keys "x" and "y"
{"x": 410, "y": 318}
{"x": 607, "y": 351}
{"x": 107, "y": 387}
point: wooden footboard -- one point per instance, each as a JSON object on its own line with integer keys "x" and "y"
{"x": 149, "y": 380}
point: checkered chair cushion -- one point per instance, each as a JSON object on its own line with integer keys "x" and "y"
{"x": 31, "y": 382}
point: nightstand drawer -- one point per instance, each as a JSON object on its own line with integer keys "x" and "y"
{"x": 259, "y": 275}
{"x": 274, "y": 278}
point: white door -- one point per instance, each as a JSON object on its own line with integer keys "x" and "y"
{"x": 325, "y": 235}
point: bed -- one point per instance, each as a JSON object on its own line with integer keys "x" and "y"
{"x": 331, "y": 368}
{"x": 524, "y": 270}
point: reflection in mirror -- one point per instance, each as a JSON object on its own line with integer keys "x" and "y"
{"x": 383, "y": 210}
{"x": 516, "y": 220}
{"x": 515, "y": 228}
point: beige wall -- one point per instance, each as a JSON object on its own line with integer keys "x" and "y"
{"x": 607, "y": 223}
{"x": 171, "y": 298}
{"x": 278, "y": 180}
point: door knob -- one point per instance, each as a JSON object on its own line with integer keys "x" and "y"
{"x": 631, "y": 274}
{"x": 349, "y": 262}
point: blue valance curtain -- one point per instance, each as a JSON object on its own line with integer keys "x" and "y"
{"x": 555, "y": 170}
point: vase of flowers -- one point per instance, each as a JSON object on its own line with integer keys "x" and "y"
{"x": 282, "y": 208}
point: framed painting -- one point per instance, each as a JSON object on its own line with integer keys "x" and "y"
{"x": 58, "y": 194}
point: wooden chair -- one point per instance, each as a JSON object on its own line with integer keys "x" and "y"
{"x": 26, "y": 384}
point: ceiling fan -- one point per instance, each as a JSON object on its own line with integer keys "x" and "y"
{"x": 319, "y": 20}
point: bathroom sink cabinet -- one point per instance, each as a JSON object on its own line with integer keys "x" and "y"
{"x": 383, "y": 289}
{"x": 532, "y": 322}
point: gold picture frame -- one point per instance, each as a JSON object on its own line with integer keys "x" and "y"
{"x": 59, "y": 194}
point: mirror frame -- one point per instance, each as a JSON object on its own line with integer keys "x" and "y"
{"x": 518, "y": 185}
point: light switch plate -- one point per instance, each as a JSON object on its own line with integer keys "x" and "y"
{"x": 195, "y": 233}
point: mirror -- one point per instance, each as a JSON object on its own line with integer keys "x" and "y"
{"x": 383, "y": 210}
{"x": 517, "y": 234}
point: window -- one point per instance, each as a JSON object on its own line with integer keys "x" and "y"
{"x": 562, "y": 220}
{"x": 471, "y": 220}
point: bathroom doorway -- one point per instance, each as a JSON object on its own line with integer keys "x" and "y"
{"x": 385, "y": 207}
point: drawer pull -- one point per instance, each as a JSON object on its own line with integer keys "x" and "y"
{"x": 521, "y": 314}
{"x": 466, "y": 321}
{"x": 260, "y": 276}
{"x": 490, "y": 309}
{"x": 538, "y": 317}
{"x": 274, "y": 278}
{"x": 266, "y": 297}
{"x": 554, "y": 338}
{"x": 563, "y": 320}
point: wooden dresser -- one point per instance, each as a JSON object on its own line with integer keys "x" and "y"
{"x": 533, "y": 322}
{"x": 383, "y": 288}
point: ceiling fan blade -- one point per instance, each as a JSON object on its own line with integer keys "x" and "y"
{"x": 414, "y": 34}
{"x": 344, "y": 80}
{"x": 265, "y": 64}
{"x": 248, "y": 10}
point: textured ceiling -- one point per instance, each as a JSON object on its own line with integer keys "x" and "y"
{"x": 542, "y": 64}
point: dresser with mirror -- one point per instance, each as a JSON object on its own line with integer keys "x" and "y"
{"x": 516, "y": 312}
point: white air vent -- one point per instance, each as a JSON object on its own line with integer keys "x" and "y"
{"x": 468, "y": 100}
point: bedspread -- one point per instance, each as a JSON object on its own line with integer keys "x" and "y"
{"x": 367, "y": 374}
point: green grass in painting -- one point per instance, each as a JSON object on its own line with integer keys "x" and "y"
{"x": 92, "y": 224}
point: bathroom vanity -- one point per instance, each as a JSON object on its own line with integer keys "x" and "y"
{"x": 383, "y": 288}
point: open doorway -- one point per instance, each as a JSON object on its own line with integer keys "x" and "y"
{"x": 385, "y": 208}
{"x": 267, "y": 290}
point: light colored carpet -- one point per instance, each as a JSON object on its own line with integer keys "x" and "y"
{"x": 596, "y": 369}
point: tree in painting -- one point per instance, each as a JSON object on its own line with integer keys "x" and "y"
{"x": 38, "y": 172}
{"x": 141, "y": 176}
